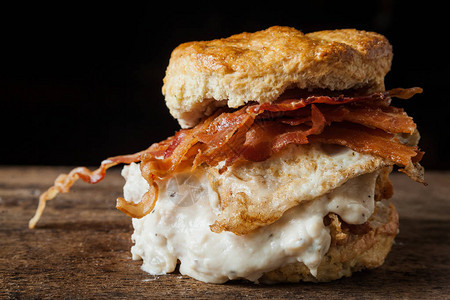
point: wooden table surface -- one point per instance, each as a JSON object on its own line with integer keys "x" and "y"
{"x": 81, "y": 247}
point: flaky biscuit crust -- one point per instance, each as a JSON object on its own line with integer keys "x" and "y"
{"x": 260, "y": 66}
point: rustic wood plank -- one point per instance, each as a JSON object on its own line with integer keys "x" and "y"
{"x": 81, "y": 247}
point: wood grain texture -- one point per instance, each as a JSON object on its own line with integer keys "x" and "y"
{"x": 81, "y": 247}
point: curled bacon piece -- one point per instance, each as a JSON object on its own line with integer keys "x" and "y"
{"x": 64, "y": 182}
{"x": 254, "y": 132}
{"x": 145, "y": 206}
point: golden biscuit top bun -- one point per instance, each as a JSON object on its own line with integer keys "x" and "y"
{"x": 260, "y": 66}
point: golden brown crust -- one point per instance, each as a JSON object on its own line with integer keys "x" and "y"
{"x": 352, "y": 249}
{"x": 260, "y": 66}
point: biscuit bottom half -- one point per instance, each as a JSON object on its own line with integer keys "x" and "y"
{"x": 353, "y": 248}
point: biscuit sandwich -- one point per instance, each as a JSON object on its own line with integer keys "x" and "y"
{"x": 280, "y": 170}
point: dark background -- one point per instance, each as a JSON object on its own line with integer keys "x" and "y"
{"x": 82, "y": 81}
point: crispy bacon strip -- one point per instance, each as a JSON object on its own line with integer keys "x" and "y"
{"x": 64, "y": 182}
{"x": 367, "y": 140}
{"x": 257, "y": 131}
{"x": 374, "y": 141}
{"x": 267, "y": 138}
{"x": 224, "y": 139}
{"x": 294, "y": 104}
{"x": 389, "y": 118}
